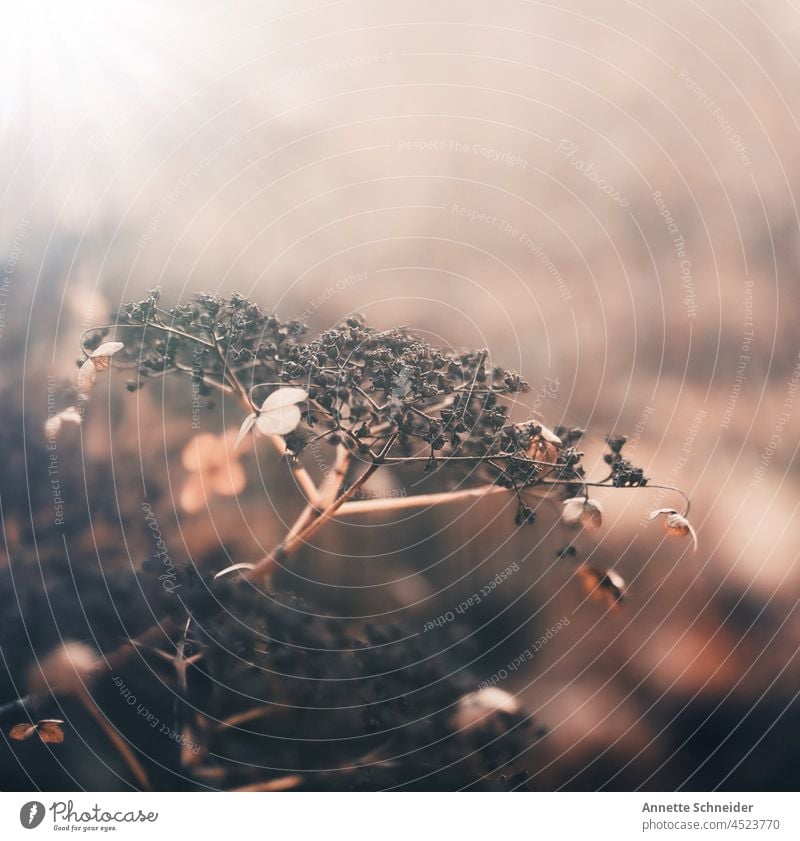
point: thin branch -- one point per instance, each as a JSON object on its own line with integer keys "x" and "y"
{"x": 293, "y": 542}
{"x": 276, "y": 784}
{"x": 404, "y": 503}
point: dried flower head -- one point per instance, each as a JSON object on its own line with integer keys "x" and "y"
{"x": 98, "y": 360}
{"x": 47, "y": 729}
{"x": 603, "y": 585}
{"x": 214, "y": 468}
{"x": 676, "y": 524}
{"x": 582, "y": 512}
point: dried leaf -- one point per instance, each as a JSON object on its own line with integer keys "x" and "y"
{"x": 106, "y": 349}
{"x": 50, "y": 732}
{"x": 20, "y": 732}
{"x": 676, "y": 525}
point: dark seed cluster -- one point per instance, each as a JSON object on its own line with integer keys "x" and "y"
{"x": 365, "y": 386}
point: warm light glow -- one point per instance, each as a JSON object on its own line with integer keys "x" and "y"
{"x": 74, "y": 55}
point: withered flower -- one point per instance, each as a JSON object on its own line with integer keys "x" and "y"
{"x": 98, "y": 360}
{"x": 582, "y": 512}
{"x": 676, "y": 525}
{"x": 47, "y": 729}
{"x": 476, "y": 708}
{"x": 603, "y": 585}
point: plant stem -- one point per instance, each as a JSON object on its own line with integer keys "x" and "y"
{"x": 401, "y": 503}
{"x": 294, "y": 541}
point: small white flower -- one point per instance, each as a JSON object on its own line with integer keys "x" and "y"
{"x": 279, "y": 413}
{"x": 582, "y": 512}
{"x": 477, "y": 708}
{"x": 54, "y": 423}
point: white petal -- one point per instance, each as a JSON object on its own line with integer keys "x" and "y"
{"x": 107, "y": 349}
{"x": 71, "y": 415}
{"x": 278, "y": 421}
{"x": 247, "y": 425}
{"x": 661, "y": 511}
{"x": 284, "y": 397}
{"x": 230, "y": 569}
{"x": 52, "y": 426}
{"x": 550, "y": 436}
{"x": 86, "y": 377}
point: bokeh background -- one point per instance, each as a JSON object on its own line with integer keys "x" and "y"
{"x": 602, "y": 195}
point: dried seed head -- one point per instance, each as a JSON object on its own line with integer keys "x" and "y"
{"x": 477, "y": 708}
{"x": 676, "y": 525}
{"x": 580, "y": 512}
{"x": 66, "y": 669}
{"x": 98, "y": 360}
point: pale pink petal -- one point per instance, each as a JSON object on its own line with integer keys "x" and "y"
{"x": 52, "y": 426}
{"x": 246, "y": 426}
{"x": 106, "y": 349}
{"x": 70, "y": 415}
{"x": 204, "y": 451}
{"x": 230, "y": 480}
{"x": 284, "y": 397}
{"x": 193, "y": 498}
{"x": 278, "y": 421}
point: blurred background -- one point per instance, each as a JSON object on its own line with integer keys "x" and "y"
{"x": 603, "y": 196}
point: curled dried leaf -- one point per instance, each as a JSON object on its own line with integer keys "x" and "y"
{"x": 21, "y": 732}
{"x": 50, "y": 731}
{"x": 676, "y": 524}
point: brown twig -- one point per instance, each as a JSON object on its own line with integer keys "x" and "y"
{"x": 277, "y": 784}
{"x": 293, "y": 542}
